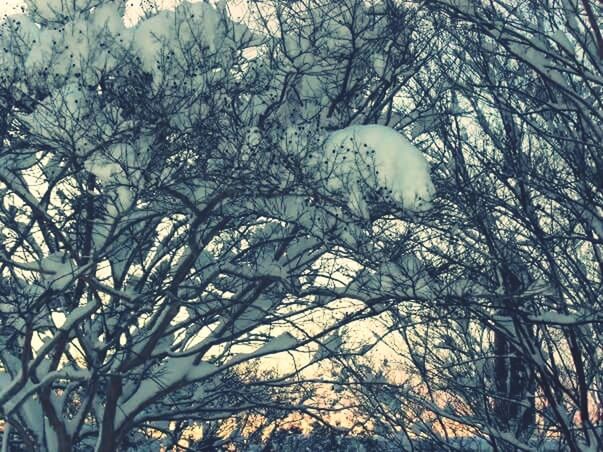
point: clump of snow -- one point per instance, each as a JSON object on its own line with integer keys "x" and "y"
{"x": 103, "y": 168}
{"x": 82, "y": 46}
{"x": 110, "y": 166}
{"x": 108, "y": 16}
{"x": 182, "y": 38}
{"x": 297, "y": 140}
{"x": 61, "y": 118}
{"x": 561, "y": 38}
{"x": 149, "y": 36}
{"x": 17, "y": 33}
{"x": 330, "y": 346}
{"x": 381, "y": 158}
{"x": 120, "y": 171}
{"x": 122, "y": 200}
{"x": 253, "y": 137}
{"x": 56, "y": 10}
{"x": 20, "y": 24}
{"x": 277, "y": 344}
{"x": 57, "y": 270}
{"x": 315, "y": 42}
{"x": 379, "y": 64}
{"x": 253, "y": 314}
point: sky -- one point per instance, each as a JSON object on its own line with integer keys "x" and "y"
{"x": 8, "y": 6}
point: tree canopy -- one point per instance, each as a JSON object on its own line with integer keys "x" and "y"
{"x": 380, "y": 207}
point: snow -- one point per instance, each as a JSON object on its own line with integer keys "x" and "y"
{"x": 178, "y": 38}
{"x": 20, "y": 24}
{"x": 379, "y": 64}
{"x": 201, "y": 371}
{"x": 557, "y": 318}
{"x": 60, "y": 118}
{"x": 329, "y": 346}
{"x": 466, "y": 6}
{"x": 561, "y": 38}
{"x": 172, "y": 371}
{"x": 539, "y": 287}
{"x": 148, "y": 38}
{"x": 253, "y": 137}
{"x": 57, "y": 270}
{"x": 21, "y": 160}
{"x": 380, "y": 157}
{"x": 79, "y": 46}
{"x": 108, "y": 16}
{"x": 122, "y": 201}
{"x": 277, "y": 344}
{"x": 253, "y": 314}
{"x": 55, "y": 10}
{"x": 299, "y": 50}
{"x": 120, "y": 171}
{"x": 103, "y": 168}
{"x": 292, "y": 141}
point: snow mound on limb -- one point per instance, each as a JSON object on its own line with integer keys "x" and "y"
{"x": 185, "y": 37}
{"x": 57, "y": 270}
{"x": 381, "y": 158}
{"x": 87, "y": 43}
{"x": 55, "y": 10}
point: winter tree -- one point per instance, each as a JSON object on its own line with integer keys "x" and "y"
{"x": 507, "y": 349}
{"x": 175, "y": 206}
{"x": 185, "y": 196}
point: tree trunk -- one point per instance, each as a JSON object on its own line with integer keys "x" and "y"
{"x": 107, "y": 437}
{"x": 514, "y": 389}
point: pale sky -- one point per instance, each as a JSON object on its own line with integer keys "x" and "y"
{"x": 9, "y": 6}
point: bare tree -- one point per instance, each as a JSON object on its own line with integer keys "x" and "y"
{"x": 183, "y": 197}
{"x": 170, "y": 215}
{"x": 509, "y": 348}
